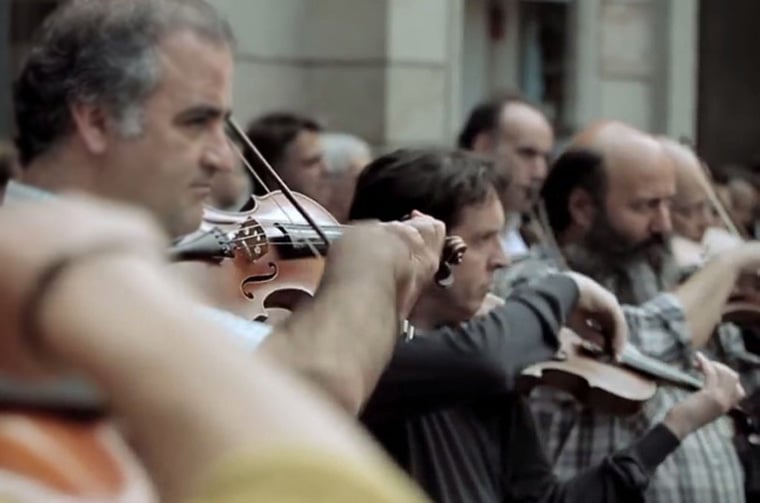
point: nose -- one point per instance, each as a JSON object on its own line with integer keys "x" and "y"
{"x": 220, "y": 154}
{"x": 704, "y": 219}
{"x": 499, "y": 258}
{"x": 661, "y": 222}
{"x": 540, "y": 170}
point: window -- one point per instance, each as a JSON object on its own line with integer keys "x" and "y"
{"x": 545, "y": 56}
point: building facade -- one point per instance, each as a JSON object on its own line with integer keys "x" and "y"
{"x": 405, "y": 72}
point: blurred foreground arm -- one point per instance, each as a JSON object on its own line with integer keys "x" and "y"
{"x": 189, "y": 401}
{"x": 344, "y": 338}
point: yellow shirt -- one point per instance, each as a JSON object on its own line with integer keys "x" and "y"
{"x": 302, "y": 475}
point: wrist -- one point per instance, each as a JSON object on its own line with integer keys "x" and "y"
{"x": 677, "y": 421}
{"x": 735, "y": 263}
{"x": 691, "y": 414}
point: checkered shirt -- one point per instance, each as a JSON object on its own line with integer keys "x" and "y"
{"x": 705, "y": 468}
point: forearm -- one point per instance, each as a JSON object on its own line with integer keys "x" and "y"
{"x": 622, "y": 476}
{"x": 188, "y": 400}
{"x": 464, "y": 362}
{"x": 704, "y": 295}
{"x": 340, "y": 350}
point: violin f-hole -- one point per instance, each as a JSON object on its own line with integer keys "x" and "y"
{"x": 259, "y": 278}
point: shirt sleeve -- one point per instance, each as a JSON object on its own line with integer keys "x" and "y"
{"x": 728, "y": 345}
{"x": 658, "y": 329}
{"x": 620, "y": 478}
{"x": 301, "y": 475}
{"x": 452, "y": 365}
{"x": 248, "y": 334}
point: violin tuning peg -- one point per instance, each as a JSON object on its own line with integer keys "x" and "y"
{"x": 443, "y": 276}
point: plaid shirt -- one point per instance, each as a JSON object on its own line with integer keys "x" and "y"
{"x": 705, "y": 468}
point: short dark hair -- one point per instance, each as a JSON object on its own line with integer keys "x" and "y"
{"x": 575, "y": 168}
{"x": 438, "y": 182}
{"x": 484, "y": 117}
{"x": 8, "y": 162}
{"x": 100, "y": 51}
{"x": 274, "y": 132}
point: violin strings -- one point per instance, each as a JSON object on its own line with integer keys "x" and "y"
{"x": 263, "y": 184}
{"x": 247, "y": 141}
{"x": 288, "y": 240}
{"x": 233, "y": 127}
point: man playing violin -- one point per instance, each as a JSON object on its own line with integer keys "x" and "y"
{"x": 607, "y": 202}
{"x": 446, "y": 408}
{"x": 520, "y": 139}
{"x": 127, "y": 100}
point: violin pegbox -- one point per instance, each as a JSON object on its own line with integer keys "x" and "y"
{"x": 251, "y": 240}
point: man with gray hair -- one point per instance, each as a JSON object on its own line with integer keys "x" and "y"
{"x": 128, "y": 100}
{"x": 345, "y": 157}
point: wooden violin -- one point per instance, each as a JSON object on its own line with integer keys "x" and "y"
{"x": 585, "y": 369}
{"x": 274, "y": 257}
{"x": 274, "y": 253}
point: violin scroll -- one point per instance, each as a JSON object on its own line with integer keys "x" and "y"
{"x": 454, "y": 248}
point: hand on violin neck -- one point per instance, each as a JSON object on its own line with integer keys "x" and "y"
{"x": 598, "y": 314}
{"x": 418, "y": 261}
{"x": 721, "y": 392}
{"x": 407, "y": 252}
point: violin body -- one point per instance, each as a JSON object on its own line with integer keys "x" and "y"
{"x": 275, "y": 260}
{"x": 603, "y": 386}
{"x": 55, "y": 458}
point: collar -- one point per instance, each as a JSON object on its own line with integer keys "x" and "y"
{"x": 16, "y": 192}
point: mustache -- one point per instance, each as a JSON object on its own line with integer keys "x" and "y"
{"x": 656, "y": 241}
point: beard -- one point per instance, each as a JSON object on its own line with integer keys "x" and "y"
{"x": 635, "y": 272}
{"x": 614, "y": 246}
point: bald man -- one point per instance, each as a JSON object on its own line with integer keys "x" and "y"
{"x": 608, "y": 204}
{"x": 520, "y": 138}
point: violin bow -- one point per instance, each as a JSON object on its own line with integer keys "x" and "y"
{"x": 708, "y": 185}
{"x": 279, "y": 182}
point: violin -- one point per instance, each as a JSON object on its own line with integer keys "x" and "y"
{"x": 586, "y": 370}
{"x": 273, "y": 254}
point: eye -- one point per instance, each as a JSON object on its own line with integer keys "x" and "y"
{"x": 197, "y": 121}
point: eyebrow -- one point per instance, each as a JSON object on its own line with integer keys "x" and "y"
{"x": 203, "y": 112}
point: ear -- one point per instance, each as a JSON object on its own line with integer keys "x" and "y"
{"x": 483, "y": 143}
{"x": 91, "y": 124}
{"x": 581, "y": 208}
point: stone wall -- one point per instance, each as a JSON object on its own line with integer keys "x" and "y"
{"x": 386, "y": 70}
